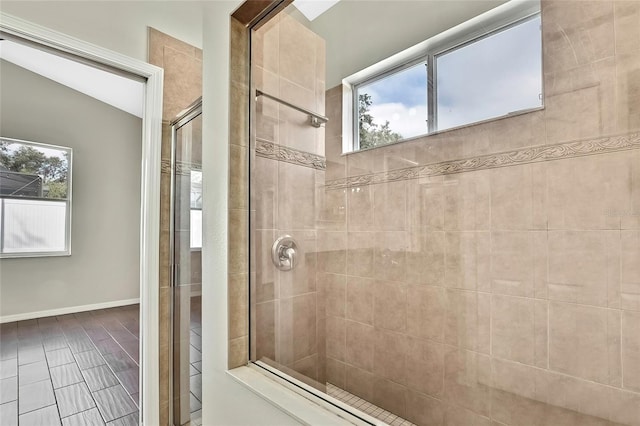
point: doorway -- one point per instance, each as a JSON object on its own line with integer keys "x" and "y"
{"x": 132, "y": 321}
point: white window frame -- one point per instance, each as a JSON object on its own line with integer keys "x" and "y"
{"x": 494, "y": 21}
{"x": 67, "y": 244}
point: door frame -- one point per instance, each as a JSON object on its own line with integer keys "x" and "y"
{"x": 150, "y": 190}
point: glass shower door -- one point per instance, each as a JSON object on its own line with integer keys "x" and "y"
{"x": 187, "y": 266}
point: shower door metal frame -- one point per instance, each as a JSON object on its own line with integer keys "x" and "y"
{"x": 323, "y": 399}
{"x": 185, "y": 117}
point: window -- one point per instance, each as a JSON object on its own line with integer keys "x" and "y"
{"x": 35, "y": 199}
{"x": 488, "y": 69}
{"x": 393, "y": 107}
{"x": 196, "y": 210}
{"x": 506, "y": 77}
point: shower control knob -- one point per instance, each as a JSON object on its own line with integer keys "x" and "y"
{"x": 284, "y": 253}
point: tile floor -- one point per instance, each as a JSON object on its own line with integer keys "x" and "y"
{"x": 195, "y": 358}
{"x": 81, "y": 369}
{"x": 71, "y": 370}
{"x": 366, "y": 407}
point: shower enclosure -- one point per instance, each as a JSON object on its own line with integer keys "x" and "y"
{"x": 186, "y": 242}
{"x": 486, "y": 274}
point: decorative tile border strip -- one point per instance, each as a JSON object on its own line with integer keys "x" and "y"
{"x": 277, "y": 152}
{"x": 165, "y": 167}
{"x": 182, "y": 167}
{"x": 510, "y": 158}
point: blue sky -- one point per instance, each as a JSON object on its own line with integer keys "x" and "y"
{"x": 401, "y": 99}
{"x": 494, "y": 76}
{"x": 489, "y": 78}
{"x": 408, "y": 87}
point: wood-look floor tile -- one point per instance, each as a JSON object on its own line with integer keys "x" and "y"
{"x": 130, "y": 379}
{"x": 30, "y": 354}
{"x": 136, "y": 399}
{"x": 8, "y": 389}
{"x": 194, "y": 403}
{"x": 8, "y": 368}
{"x": 107, "y": 346}
{"x": 75, "y": 333}
{"x": 35, "y": 396}
{"x": 89, "y": 359}
{"x": 8, "y": 350}
{"x": 194, "y": 354}
{"x": 114, "y": 402}
{"x": 196, "y": 385}
{"x": 86, "y": 418}
{"x": 80, "y": 345}
{"x": 131, "y": 347}
{"x": 65, "y": 375}
{"x": 8, "y": 328}
{"x": 31, "y": 373}
{"x": 74, "y": 399}
{"x": 196, "y": 418}
{"x": 28, "y": 334}
{"x": 47, "y": 416}
{"x": 133, "y": 327}
{"x": 130, "y": 420}
{"x": 100, "y": 377}
{"x": 54, "y": 343}
{"x": 196, "y": 341}
{"x": 119, "y": 361}
{"x": 50, "y": 330}
{"x": 9, "y": 414}
{"x": 98, "y": 333}
{"x": 29, "y": 342}
{"x": 59, "y": 357}
{"x": 122, "y": 335}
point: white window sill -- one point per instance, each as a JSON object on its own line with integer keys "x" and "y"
{"x": 300, "y": 405}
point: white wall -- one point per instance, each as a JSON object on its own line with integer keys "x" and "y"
{"x": 106, "y": 143}
{"x": 230, "y": 403}
{"x": 117, "y": 25}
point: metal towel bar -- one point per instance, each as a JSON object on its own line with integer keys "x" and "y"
{"x": 316, "y": 120}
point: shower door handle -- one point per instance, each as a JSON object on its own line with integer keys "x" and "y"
{"x": 284, "y": 253}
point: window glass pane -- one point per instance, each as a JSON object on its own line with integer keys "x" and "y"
{"x": 393, "y": 108}
{"x": 491, "y": 77}
{"x": 196, "y": 189}
{"x": 35, "y": 192}
{"x": 196, "y": 229}
{"x": 34, "y": 225}
{"x": 33, "y": 170}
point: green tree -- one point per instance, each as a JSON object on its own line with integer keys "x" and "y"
{"x": 27, "y": 160}
{"x": 53, "y": 170}
{"x": 371, "y": 134}
{"x": 5, "y": 157}
{"x": 57, "y": 190}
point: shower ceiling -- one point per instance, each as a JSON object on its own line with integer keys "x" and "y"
{"x": 311, "y": 9}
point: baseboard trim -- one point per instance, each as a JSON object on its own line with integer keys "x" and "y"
{"x": 69, "y": 310}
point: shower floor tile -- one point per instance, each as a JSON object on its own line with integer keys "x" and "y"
{"x": 366, "y": 407}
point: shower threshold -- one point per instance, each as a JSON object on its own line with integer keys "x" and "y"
{"x": 366, "y": 407}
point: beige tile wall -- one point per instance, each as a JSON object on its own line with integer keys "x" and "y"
{"x": 182, "y": 64}
{"x": 238, "y": 252}
{"x": 507, "y": 295}
{"x": 288, "y": 62}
